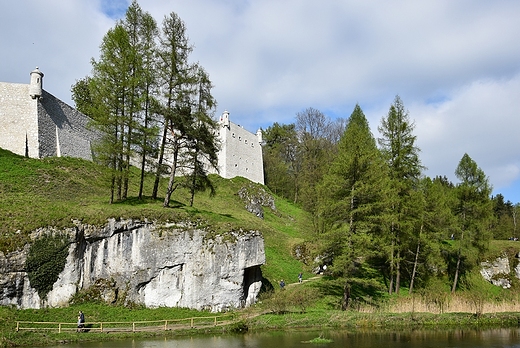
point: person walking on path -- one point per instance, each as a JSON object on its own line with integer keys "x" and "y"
{"x": 300, "y": 277}
{"x": 81, "y": 321}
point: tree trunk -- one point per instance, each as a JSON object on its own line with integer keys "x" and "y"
{"x": 398, "y": 271}
{"x": 171, "y": 182}
{"x": 456, "y": 278}
{"x": 346, "y": 296}
{"x": 391, "y": 277}
{"x": 160, "y": 161}
{"x": 145, "y": 144}
{"x": 194, "y": 179}
{"x": 416, "y": 261}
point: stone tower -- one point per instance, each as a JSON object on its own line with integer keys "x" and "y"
{"x": 36, "y": 85}
{"x": 241, "y": 151}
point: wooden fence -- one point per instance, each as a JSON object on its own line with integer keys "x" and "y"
{"x": 125, "y": 326}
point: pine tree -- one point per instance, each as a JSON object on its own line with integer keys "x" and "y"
{"x": 109, "y": 88}
{"x": 433, "y": 203}
{"x": 203, "y": 148}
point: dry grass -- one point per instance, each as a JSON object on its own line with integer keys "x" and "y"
{"x": 447, "y": 304}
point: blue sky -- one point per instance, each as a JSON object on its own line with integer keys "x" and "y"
{"x": 114, "y": 8}
{"x": 455, "y": 64}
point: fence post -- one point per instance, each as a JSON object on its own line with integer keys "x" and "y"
{"x": 133, "y": 327}
{"x": 192, "y": 323}
{"x": 165, "y": 325}
{"x": 101, "y": 327}
{"x": 215, "y": 321}
{"x": 59, "y": 327}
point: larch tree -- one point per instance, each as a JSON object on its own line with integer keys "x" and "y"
{"x": 147, "y": 33}
{"x": 398, "y": 145}
{"x": 433, "y": 203}
{"x": 351, "y": 199}
{"x": 109, "y": 90}
{"x": 203, "y": 147}
{"x": 177, "y": 83}
{"x": 474, "y": 211}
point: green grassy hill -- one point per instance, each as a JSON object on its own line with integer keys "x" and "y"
{"x": 54, "y": 191}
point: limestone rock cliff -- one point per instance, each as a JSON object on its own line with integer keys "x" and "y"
{"x": 171, "y": 265}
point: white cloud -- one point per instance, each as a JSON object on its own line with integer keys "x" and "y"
{"x": 481, "y": 119}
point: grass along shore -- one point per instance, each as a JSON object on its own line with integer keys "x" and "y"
{"x": 250, "y": 320}
{"x": 298, "y": 306}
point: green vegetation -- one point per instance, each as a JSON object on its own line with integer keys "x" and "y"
{"x": 378, "y": 223}
{"x": 45, "y": 261}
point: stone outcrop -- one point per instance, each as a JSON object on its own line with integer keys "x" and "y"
{"x": 171, "y": 265}
{"x": 497, "y": 272}
{"x": 256, "y": 198}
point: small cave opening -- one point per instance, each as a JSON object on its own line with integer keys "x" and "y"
{"x": 251, "y": 275}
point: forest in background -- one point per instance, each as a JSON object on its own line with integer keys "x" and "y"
{"x": 373, "y": 208}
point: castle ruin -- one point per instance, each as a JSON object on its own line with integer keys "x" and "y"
{"x": 36, "y": 124}
{"x": 241, "y": 151}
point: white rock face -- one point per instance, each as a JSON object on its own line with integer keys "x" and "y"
{"x": 491, "y": 271}
{"x": 154, "y": 265}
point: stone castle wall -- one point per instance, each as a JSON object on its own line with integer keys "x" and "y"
{"x": 42, "y": 127}
{"x": 18, "y": 120}
{"x": 241, "y": 153}
{"x": 36, "y": 124}
{"x": 64, "y": 131}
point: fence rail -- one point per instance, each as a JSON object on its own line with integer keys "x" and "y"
{"x": 127, "y": 326}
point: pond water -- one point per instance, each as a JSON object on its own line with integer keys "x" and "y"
{"x": 493, "y": 338}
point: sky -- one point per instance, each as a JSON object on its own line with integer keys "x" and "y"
{"x": 454, "y": 64}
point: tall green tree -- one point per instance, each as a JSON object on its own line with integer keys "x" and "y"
{"x": 352, "y": 199}
{"x": 315, "y": 150}
{"x": 143, "y": 33}
{"x": 503, "y": 226}
{"x": 281, "y": 160}
{"x": 474, "y": 212}
{"x": 109, "y": 90}
{"x": 398, "y": 145}
{"x": 82, "y": 97}
{"x": 133, "y": 95}
{"x": 202, "y": 151}
{"x": 433, "y": 203}
{"x": 176, "y": 85}
{"x": 118, "y": 93}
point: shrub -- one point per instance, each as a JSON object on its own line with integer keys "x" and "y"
{"x": 45, "y": 261}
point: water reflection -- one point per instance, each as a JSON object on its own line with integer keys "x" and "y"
{"x": 503, "y": 338}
